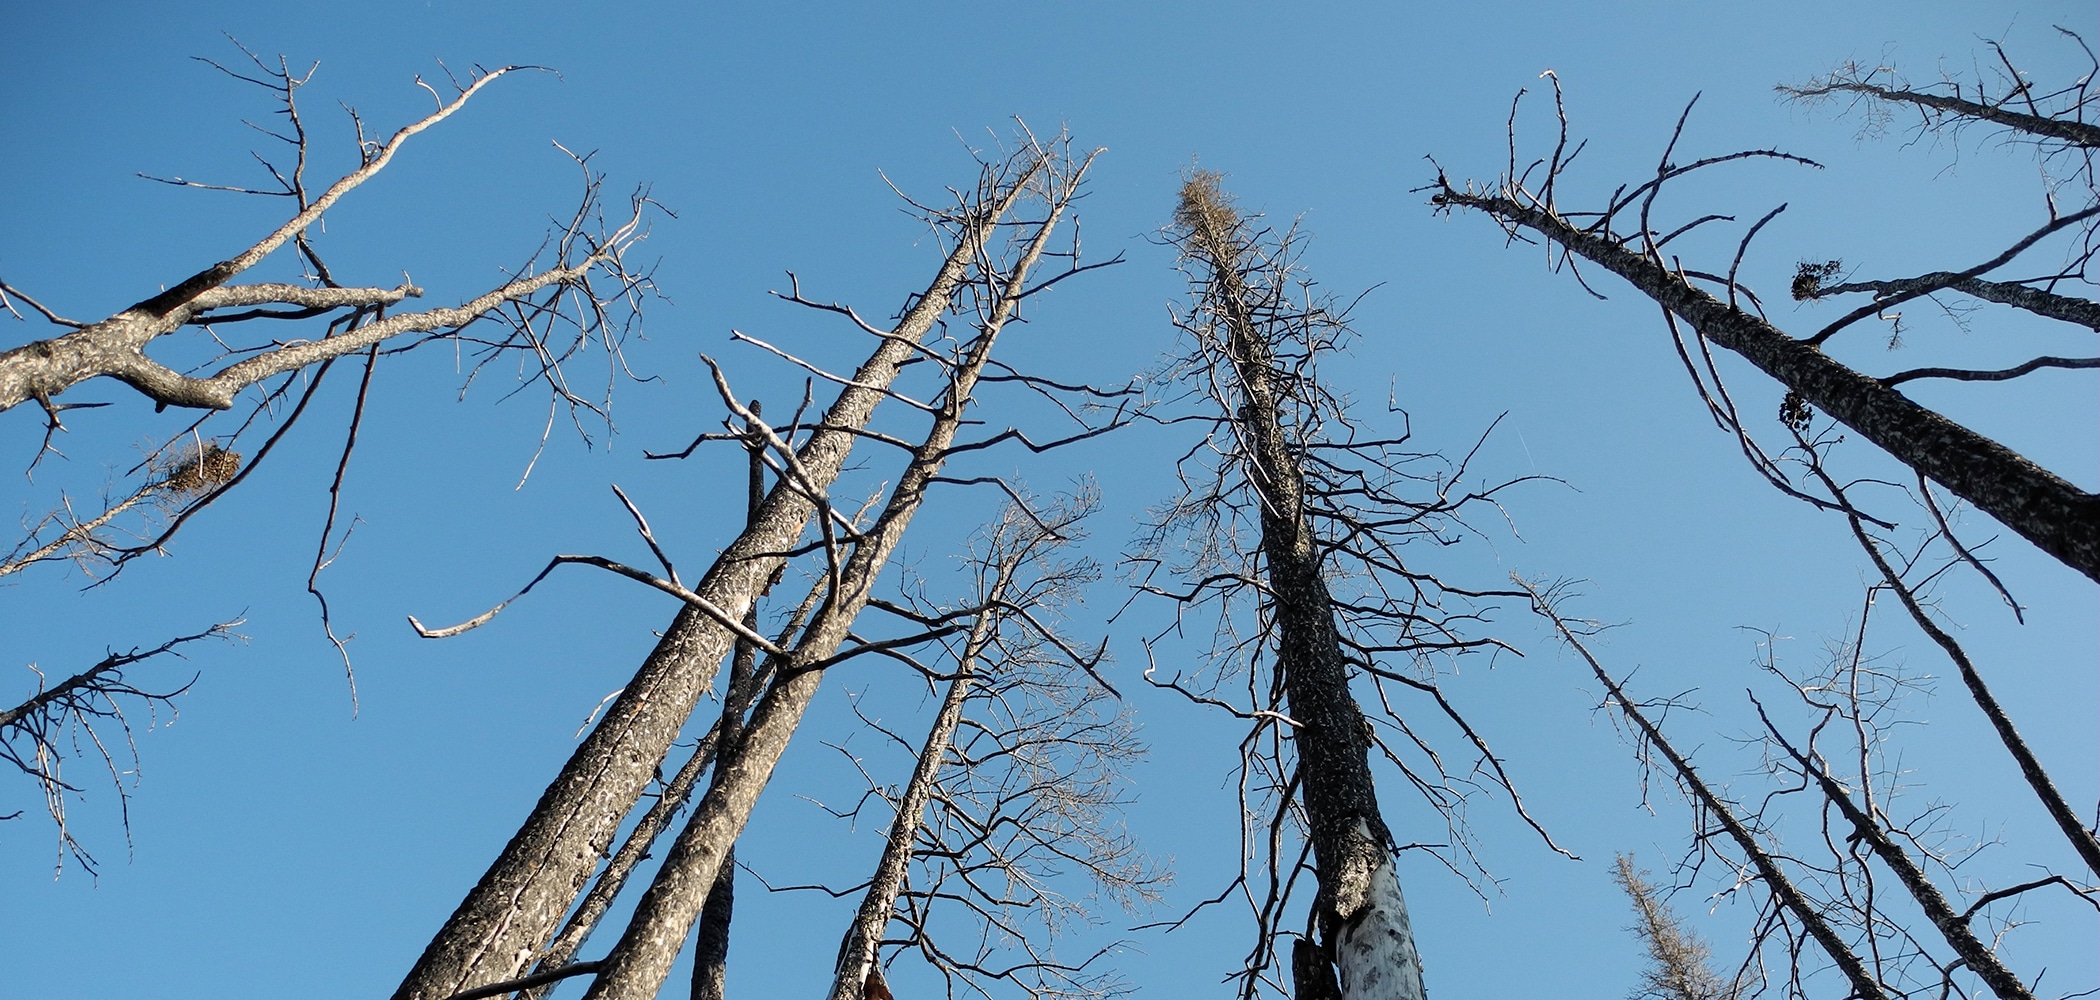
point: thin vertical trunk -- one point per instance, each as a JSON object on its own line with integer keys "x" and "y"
{"x": 857, "y": 952}
{"x": 1805, "y": 910}
{"x": 510, "y": 914}
{"x": 711, "y": 942}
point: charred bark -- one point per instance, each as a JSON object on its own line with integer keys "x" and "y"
{"x": 1361, "y": 916}
{"x": 2058, "y": 517}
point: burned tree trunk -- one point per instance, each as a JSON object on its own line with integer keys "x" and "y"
{"x": 2047, "y": 509}
{"x": 2057, "y": 516}
{"x": 1361, "y": 915}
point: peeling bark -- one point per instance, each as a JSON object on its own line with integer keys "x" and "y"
{"x": 1374, "y": 956}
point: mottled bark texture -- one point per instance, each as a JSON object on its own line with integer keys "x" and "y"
{"x": 2066, "y": 130}
{"x": 2058, "y": 517}
{"x": 637, "y": 966}
{"x": 2047, "y": 304}
{"x": 711, "y": 941}
{"x": 1362, "y": 920}
{"x": 655, "y": 820}
{"x": 504, "y": 921}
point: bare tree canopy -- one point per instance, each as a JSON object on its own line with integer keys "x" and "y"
{"x": 1863, "y": 890}
{"x": 1295, "y": 518}
{"x": 574, "y": 292}
{"x": 1011, "y": 574}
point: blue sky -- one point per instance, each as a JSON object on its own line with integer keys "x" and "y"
{"x": 279, "y": 844}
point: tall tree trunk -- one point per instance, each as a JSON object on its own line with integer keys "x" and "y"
{"x": 653, "y": 822}
{"x": 2058, "y": 517}
{"x": 857, "y": 951}
{"x": 711, "y": 942}
{"x": 504, "y": 921}
{"x": 638, "y": 964}
{"x": 1361, "y": 914}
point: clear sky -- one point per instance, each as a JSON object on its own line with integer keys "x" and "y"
{"x": 277, "y": 844}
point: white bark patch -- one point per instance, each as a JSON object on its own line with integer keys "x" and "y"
{"x": 1375, "y": 955}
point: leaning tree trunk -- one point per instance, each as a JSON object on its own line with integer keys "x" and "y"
{"x": 1367, "y": 948}
{"x": 637, "y": 966}
{"x": 504, "y": 921}
{"x": 2057, "y": 516}
{"x": 857, "y": 951}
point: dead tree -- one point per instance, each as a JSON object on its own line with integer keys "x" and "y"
{"x": 2058, "y": 517}
{"x": 508, "y": 919}
{"x": 36, "y": 734}
{"x": 1013, "y": 790}
{"x": 1861, "y": 878}
{"x": 1303, "y": 520}
{"x": 1626, "y": 237}
{"x": 711, "y": 941}
{"x": 268, "y": 347}
{"x": 637, "y": 964}
{"x": 1678, "y": 960}
{"x": 1852, "y": 880}
{"x": 577, "y": 283}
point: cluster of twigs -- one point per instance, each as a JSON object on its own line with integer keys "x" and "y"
{"x": 38, "y": 735}
{"x": 1626, "y": 238}
{"x": 1015, "y": 790}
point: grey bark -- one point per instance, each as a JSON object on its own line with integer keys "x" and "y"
{"x": 2076, "y": 133}
{"x": 711, "y": 942}
{"x": 2051, "y": 305}
{"x": 653, "y": 823}
{"x": 115, "y": 346}
{"x": 2058, "y": 517}
{"x": 2052, "y": 799}
{"x": 508, "y": 916}
{"x": 638, "y": 964}
{"x": 1979, "y": 957}
{"x": 857, "y": 951}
